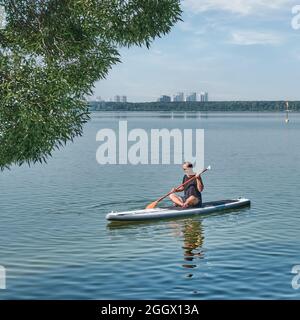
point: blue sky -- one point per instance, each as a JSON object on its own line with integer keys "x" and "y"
{"x": 234, "y": 49}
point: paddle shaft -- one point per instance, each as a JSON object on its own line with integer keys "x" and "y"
{"x": 182, "y": 185}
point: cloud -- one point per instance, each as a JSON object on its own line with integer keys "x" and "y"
{"x": 185, "y": 26}
{"x": 193, "y": 28}
{"x": 248, "y": 38}
{"x": 243, "y": 7}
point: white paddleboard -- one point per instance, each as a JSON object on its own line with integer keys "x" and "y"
{"x": 171, "y": 212}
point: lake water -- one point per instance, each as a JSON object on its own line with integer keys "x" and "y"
{"x": 56, "y": 244}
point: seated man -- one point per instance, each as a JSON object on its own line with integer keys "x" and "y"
{"x": 192, "y": 191}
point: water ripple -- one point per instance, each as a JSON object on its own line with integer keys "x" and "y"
{"x": 55, "y": 242}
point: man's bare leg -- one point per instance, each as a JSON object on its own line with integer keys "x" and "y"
{"x": 191, "y": 201}
{"x": 176, "y": 199}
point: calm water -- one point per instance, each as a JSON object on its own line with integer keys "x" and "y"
{"x": 56, "y": 243}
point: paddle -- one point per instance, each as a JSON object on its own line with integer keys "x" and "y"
{"x": 155, "y": 203}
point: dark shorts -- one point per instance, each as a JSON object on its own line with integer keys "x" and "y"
{"x": 193, "y": 192}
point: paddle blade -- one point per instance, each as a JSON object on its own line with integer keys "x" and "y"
{"x": 152, "y": 205}
{"x": 209, "y": 168}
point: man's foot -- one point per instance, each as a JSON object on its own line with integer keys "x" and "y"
{"x": 176, "y": 205}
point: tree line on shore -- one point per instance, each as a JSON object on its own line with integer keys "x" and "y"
{"x": 211, "y": 106}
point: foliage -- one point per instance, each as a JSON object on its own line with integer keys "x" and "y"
{"x": 51, "y": 54}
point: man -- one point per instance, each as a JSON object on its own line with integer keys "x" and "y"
{"x": 192, "y": 191}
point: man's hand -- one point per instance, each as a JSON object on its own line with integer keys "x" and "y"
{"x": 185, "y": 205}
{"x": 174, "y": 190}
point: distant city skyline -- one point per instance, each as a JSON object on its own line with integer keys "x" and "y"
{"x": 179, "y": 97}
{"x": 182, "y": 97}
{"x": 116, "y": 98}
{"x": 235, "y": 50}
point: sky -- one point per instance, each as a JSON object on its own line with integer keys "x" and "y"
{"x": 234, "y": 50}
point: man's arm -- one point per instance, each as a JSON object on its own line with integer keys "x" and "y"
{"x": 200, "y": 184}
{"x": 177, "y": 189}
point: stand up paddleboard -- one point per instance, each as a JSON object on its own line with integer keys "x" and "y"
{"x": 172, "y": 212}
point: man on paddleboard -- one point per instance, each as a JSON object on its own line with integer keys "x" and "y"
{"x": 192, "y": 191}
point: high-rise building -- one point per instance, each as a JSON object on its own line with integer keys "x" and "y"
{"x": 117, "y": 99}
{"x": 164, "y": 99}
{"x": 192, "y": 97}
{"x": 203, "y": 96}
{"x": 206, "y": 96}
{"x": 179, "y": 97}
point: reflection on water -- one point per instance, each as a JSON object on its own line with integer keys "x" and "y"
{"x": 192, "y": 234}
{"x": 179, "y": 115}
{"x": 193, "y": 241}
{"x": 76, "y": 254}
{"x": 189, "y": 231}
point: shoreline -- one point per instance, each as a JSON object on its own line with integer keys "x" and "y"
{"x": 202, "y": 107}
{"x": 198, "y": 112}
